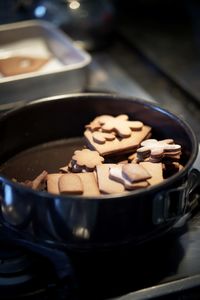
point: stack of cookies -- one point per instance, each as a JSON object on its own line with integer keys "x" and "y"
{"x": 119, "y": 156}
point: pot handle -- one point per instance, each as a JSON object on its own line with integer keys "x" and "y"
{"x": 171, "y": 204}
{"x": 193, "y": 190}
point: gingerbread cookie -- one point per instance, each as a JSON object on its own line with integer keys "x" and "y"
{"x": 20, "y": 64}
{"x": 89, "y": 181}
{"x": 84, "y": 184}
{"x": 93, "y": 126}
{"x": 155, "y": 170}
{"x": 120, "y": 124}
{"x": 85, "y": 160}
{"x": 156, "y": 150}
{"x": 70, "y": 184}
{"x": 105, "y": 183}
{"x": 135, "y": 172}
{"x": 38, "y": 183}
{"x": 107, "y": 134}
{"x": 101, "y": 137}
{"x": 116, "y": 173}
{"x": 117, "y": 145}
{"x": 52, "y": 183}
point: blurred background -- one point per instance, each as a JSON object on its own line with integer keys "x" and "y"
{"x": 155, "y": 44}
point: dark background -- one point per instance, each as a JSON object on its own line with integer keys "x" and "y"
{"x": 156, "y": 43}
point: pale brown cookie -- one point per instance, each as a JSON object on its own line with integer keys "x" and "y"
{"x": 89, "y": 182}
{"x": 86, "y": 159}
{"x": 39, "y": 180}
{"x": 155, "y": 170}
{"x": 156, "y": 150}
{"x": 118, "y": 145}
{"x": 93, "y": 126}
{"x": 70, "y": 184}
{"x": 84, "y": 184}
{"x": 115, "y": 173}
{"x": 136, "y": 185}
{"x": 135, "y": 172}
{"x": 20, "y": 64}
{"x": 107, "y": 185}
{"x": 120, "y": 124}
{"x": 52, "y": 183}
{"x": 38, "y": 183}
{"x": 101, "y": 137}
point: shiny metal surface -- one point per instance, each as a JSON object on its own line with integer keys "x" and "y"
{"x": 66, "y": 73}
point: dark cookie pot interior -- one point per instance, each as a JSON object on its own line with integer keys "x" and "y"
{"x": 43, "y": 135}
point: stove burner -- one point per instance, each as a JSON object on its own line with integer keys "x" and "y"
{"x": 22, "y": 273}
{"x": 12, "y": 260}
{"x": 32, "y": 274}
{"x": 33, "y": 271}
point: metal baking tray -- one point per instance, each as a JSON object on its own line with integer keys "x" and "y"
{"x": 65, "y": 72}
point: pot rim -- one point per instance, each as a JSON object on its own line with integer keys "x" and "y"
{"x": 114, "y": 96}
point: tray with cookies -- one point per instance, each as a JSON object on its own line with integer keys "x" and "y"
{"x": 38, "y": 60}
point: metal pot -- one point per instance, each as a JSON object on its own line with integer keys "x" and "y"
{"x": 51, "y": 129}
